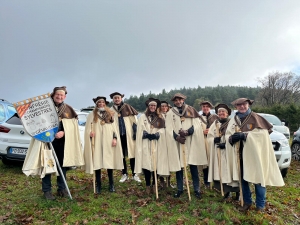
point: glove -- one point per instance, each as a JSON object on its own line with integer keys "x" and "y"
{"x": 180, "y": 139}
{"x": 156, "y": 136}
{"x": 134, "y": 131}
{"x": 217, "y": 140}
{"x": 238, "y": 136}
{"x": 221, "y": 145}
{"x": 183, "y": 133}
{"x": 145, "y": 134}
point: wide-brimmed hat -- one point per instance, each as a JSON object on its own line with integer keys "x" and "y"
{"x": 178, "y": 95}
{"x": 152, "y": 100}
{"x": 224, "y": 106}
{"x": 206, "y": 103}
{"x": 116, "y": 93}
{"x": 242, "y": 100}
{"x": 63, "y": 88}
{"x": 98, "y": 98}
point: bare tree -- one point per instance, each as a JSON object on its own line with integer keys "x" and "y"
{"x": 279, "y": 88}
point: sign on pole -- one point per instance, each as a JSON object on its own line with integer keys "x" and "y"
{"x": 39, "y": 117}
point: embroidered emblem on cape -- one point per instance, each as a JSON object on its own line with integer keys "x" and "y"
{"x": 249, "y": 126}
{"x": 50, "y": 163}
{"x": 67, "y": 115}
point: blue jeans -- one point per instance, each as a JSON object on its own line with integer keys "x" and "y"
{"x": 46, "y": 181}
{"x": 260, "y": 193}
{"x": 195, "y": 178}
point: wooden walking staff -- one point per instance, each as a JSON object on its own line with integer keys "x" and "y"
{"x": 93, "y": 149}
{"x": 219, "y": 160}
{"x": 237, "y": 146}
{"x": 185, "y": 171}
{"x": 154, "y": 168}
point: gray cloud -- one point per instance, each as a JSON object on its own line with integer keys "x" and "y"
{"x": 98, "y": 47}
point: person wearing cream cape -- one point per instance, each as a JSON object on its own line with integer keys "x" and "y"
{"x": 66, "y": 144}
{"x": 219, "y": 168}
{"x": 206, "y": 120}
{"x": 107, "y": 151}
{"x": 184, "y": 131}
{"x": 257, "y": 159}
{"x": 126, "y": 122}
{"x": 151, "y": 147}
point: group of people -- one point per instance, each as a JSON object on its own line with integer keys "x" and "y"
{"x": 231, "y": 152}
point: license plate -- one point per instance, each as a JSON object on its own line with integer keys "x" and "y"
{"x": 18, "y": 151}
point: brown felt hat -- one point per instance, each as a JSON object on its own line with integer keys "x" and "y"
{"x": 242, "y": 100}
{"x": 63, "y": 88}
{"x": 116, "y": 93}
{"x": 153, "y": 100}
{"x": 98, "y": 98}
{"x": 206, "y": 103}
{"x": 161, "y": 102}
{"x": 222, "y": 105}
{"x": 178, "y": 95}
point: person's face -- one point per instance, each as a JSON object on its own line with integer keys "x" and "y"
{"x": 117, "y": 99}
{"x": 59, "y": 97}
{"x": 223, "y": 114}
{"x": 178, "y": 102}
{"x": 242, "y": 108}
{"x": 101, "y": 104}
{"x": 164, "y": 108}
{"x": 205, "y": 108}
{"x": 152, "y": 107}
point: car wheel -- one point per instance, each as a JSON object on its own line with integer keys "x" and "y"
{"x": 296, "y": 151}
{"x": 6, "y": 161}
{"x": 284, "y": 172}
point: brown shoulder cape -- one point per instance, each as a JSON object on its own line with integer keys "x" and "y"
{"x": 126, "y": 110}
{"x": 252, "y": 121}
{"x": 210, "y": 119}
{"x": 187, "y": 112}
{"x": 157, "y": 122}
{"x": 66, "y": 112}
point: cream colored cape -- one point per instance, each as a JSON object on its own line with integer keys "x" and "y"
{"x": 259, "y": 161}
{"x": 150, "y": 153}
{"x": 213, "y": 173}
{"x": 128, "y": 121}
{"x": 194, "y": 145}
{"x": 103, "y": 155}
{"x": 73, "y": 156}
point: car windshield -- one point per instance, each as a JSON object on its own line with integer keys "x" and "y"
{"x": 272, "y": 119}
{"x": 81, "y": 119}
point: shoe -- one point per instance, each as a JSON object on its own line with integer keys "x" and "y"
{"x": 245, "y": 207}
{"x": 62, "y": 193}
{"x": 177, "y": 195}
{"x": 111, "y": 188}
{"x": 198, "y": 194}
{"x": 136, "y": 178}
{"x": 259, "y": 209}
{"x": 237, "y": 196}
{"x": 48, "y": 195}
{"x": 98, "y": 189}
{"x": 124, "y": 178}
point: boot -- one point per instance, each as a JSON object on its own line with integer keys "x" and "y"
{"x": 245, "y": 207}
{"x": 48, "y": 195}
{"x": 111, "y": 180}
{"x": 62, "y": 193}
{"x": 198, "y": 194}
{"x": 98, "y": 181}
{"x": 178, "y": 194}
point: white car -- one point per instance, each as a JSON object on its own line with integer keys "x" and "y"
{"x": 14, "y": 140}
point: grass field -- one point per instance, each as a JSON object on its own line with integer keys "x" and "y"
{"x": 22, "y": 202}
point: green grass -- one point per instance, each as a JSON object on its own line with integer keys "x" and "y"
{"x": 22, "y": 202}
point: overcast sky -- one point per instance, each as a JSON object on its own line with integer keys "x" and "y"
{"x": 99, "y": 47}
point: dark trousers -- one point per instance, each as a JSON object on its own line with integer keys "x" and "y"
{"x": 46, "y": 181}
{"x": 148, "y": 174}
{"x": 205, "y": 176}
{"x": 132, "y": 162}
{"x": 195, "y": 178}
{"x": 110, "y": 176}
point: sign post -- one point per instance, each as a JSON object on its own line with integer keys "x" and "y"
{"x": 40, "y": 120}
